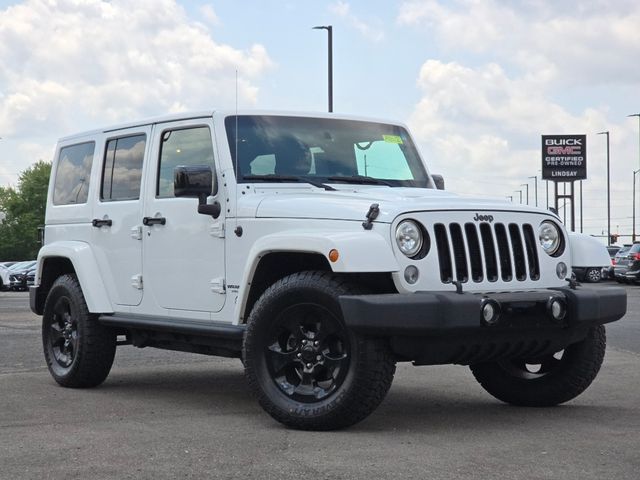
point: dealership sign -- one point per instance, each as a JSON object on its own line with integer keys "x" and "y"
{"x": 564, "y": 157}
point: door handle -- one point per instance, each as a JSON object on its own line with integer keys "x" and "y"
{"x": 154, "y": 221}
{"x": 98, "y": 222}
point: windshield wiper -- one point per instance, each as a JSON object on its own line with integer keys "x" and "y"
{"x": 360, "y": 179}
{"x": 287, "y": 178}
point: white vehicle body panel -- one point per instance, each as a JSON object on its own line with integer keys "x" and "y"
{"x": 118, "y": 252}
{"x": 184, "y": 256}
{"x": 587, "y": 251}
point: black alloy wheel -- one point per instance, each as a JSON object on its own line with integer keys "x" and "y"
{"x": 79, "y": 351}
{"x": 535, "y": 368}
{"x": 307, "y": 352}
{"x": 63, "y": 336}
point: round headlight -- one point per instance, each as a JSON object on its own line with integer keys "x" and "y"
{"x": 409, "y": 237}
{"x": 550, "y": 237}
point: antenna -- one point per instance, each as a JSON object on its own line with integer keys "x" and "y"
{"x": 237, "y": 230}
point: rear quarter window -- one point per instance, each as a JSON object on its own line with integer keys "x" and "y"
{"x": 71, "y": 185}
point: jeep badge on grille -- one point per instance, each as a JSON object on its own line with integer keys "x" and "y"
{"x": 483, "y": 218}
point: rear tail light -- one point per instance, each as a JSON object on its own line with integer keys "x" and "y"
{"x": 613, "y": 261}
{"x": 636, "y": 256}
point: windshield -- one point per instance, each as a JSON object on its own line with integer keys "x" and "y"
{"x": 325, "y": 149}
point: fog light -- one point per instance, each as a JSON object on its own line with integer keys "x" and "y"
{"x": 489, "y": 312}
{"x": 411, "y": 274}
{"x": 562, "y": 270}
{"x": 557, "y": 308}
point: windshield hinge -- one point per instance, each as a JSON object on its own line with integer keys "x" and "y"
{"x": 372, "y": 214}
{"x": 218, "y": 285}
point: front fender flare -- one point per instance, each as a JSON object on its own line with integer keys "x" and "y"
{"x": 359, "y": 252}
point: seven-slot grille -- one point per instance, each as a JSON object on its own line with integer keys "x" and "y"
{"x": 471, "y": 252}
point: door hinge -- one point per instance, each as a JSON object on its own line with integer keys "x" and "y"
{"x": 217, "y": 230}
{"x": 136, "y": 232}
{"x": 218, "y": 285}
{"x": 136, "y": 281}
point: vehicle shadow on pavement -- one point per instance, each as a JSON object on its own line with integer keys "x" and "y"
{"x": 460, "y": 410}
{"x": 438, "y": 407}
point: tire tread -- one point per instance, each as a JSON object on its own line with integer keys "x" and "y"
{"x": 375, "y": 363}
{"x": 573, "y": 377}
{"x": 96, "y": 345}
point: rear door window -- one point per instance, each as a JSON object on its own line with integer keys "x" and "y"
{"x": 73, "y": 173}
{"x": 122, "y": 169}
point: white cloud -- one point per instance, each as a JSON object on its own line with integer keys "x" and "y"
{"x": 68, "y": 65}
{"x": 568, "y": 42}
{"x": 210, "y": 15}
{"x": 343, "y": 10}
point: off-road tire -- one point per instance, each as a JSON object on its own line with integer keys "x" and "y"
{"x": 365, "y": 381}
{"x": 86, "y": 360}
{"x": 569, "y": 377}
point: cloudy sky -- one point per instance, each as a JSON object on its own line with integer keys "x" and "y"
{"x": 478, "y": 81}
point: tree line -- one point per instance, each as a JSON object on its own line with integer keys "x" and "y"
{"x": 24, "y": 207}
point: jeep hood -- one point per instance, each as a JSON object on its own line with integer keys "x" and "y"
{"x": 353, "y": 204}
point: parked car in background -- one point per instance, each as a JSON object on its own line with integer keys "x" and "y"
{"x": 4, "y": 267}
{"x": 588, "y": 260}
{"x": 627, "y": 268}
{"x": 607, "y": 272}
{"x": 5, "y": 271}
{"x": 19, "y": 280}
{"x": 17, "y": 268}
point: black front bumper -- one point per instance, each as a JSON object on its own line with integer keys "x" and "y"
{"x": 447, "y": 327}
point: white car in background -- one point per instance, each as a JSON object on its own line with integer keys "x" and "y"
{"x": 588, "y": 257}
{"x": 5, "y": 272}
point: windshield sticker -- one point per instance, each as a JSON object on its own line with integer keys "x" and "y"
{"x": 392, "y": 139}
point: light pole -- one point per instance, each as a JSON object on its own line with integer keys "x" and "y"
{"x": 637, "y": 115}
{"x": 329, "y": 30}
{"x": 633, "y": 235}
{"x": 535, "y": 185}
{"x": 520, "y": 192}
{"x": 527, "y": 186}
{"x": 581, "y": 206}
{"x": 634, "y": 177}
{"x": 608, "y": 190}
{"x": 547, "y": 185}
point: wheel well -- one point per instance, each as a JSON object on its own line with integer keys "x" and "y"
{"x": 274, "y": 266}
{"x": 52, "y": 268}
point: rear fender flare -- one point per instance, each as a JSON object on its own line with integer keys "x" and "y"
{"x": 86, "y": 269}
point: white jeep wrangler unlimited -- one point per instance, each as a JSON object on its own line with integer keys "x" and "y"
{"x": 316, "y": 248}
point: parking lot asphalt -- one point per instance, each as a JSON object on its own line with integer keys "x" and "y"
{"x": 174, "y": 415}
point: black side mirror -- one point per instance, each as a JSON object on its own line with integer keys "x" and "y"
{"x": 439, "y": 181}
{"x": 196, "y": 181}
